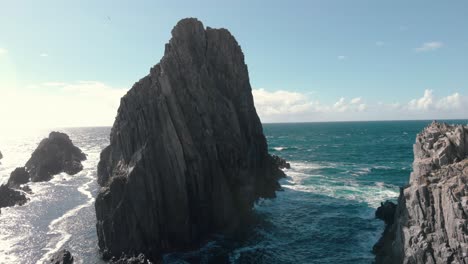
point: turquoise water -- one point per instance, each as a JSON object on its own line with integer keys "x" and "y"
{"x": 325, "y": 214}
{"x": 340, "y": 173}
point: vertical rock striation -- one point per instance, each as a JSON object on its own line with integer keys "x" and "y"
{"x": 187, "y": 155}
{"x": 431, "y": 219}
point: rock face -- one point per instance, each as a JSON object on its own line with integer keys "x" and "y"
{"x": 62, "y": 257}
{"x": 17, "y": 177}
{"x": 187, "y": 157}
{"x": 431, "y": 218}
{"x": 54, "y": 155}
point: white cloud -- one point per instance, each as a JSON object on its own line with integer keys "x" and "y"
{"x": 44, "y": 55}
{"x": 342, "y": 57}
{"x": 285, "y": 106}
{"x": 281, "y": 106}
{"x": 58, "y": 104}
{"x": 430, "y": 46}
{"x": 3, "y": 51}
{"x": 429, "y": 102}
{"x": 280, "y": 102}
{"x": 356, "y": 100}
{"x": 423, "y": 103}
{"x": 454, "y": 101}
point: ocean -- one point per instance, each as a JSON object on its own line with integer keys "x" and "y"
{"x": 340, "y": 172}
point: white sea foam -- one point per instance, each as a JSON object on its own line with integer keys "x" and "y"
{"x": 340, "y": 188}
{"x": 58, "y": 226}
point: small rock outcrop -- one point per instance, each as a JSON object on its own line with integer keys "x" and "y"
{"x": 62, "y": 257}
{"x": 1, "y": 155}
{"x": 17, "y": 177}
{"x": 54, "y": 155}
{"x": 280, "y": 162}
{"x": 187, "y": 155}
{"x": 386, "y": 212}
{"x": 431, "y": 219}
{"x": 11, "y": 197}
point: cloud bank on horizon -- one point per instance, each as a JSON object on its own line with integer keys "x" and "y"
{"x": 93, "y": 103}
{"x": 285, "y": 106}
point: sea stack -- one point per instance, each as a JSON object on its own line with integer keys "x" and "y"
{"x": 187, "y": 155}
{"x": 430, "y": 223}
{"x": 54, "y": 155}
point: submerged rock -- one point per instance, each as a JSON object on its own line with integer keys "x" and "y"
{"x": 11, "y": 197}
{"x": 431, "y": 218}
{"x": 187, "y": 157}
{"x": 62, "y": 257}
{"x": 54, "y": 155}
{"x": 17, "y": 177}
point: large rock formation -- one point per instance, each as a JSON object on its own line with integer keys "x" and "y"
{"x": 54, "y": 155}
{"x": 431, "y": 219}
{"x": 187, "y": 156}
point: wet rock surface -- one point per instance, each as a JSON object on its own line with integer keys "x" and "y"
{"x": 187, "y": 157}
{"x": 431, "y": 218}
{"x": 11, "y": 197}
{"x": 17, "y": 177}
{"x": 62, "y": 257}
{"x": 280, "y": 162}
{"x": 124, "y": 259}
{"x": 54, "y": 155}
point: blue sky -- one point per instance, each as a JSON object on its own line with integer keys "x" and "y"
{"x": 331, "y": 60}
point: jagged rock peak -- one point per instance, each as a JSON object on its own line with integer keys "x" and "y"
{"x": 54, "y": 155}
{"x": 187, "y": 155}
{"x": 437, "y": 145}
{"x": 431, "y": 218}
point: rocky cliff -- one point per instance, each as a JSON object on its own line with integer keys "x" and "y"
{"x": 187, "y": 156}
{"x": 430, "y": 223}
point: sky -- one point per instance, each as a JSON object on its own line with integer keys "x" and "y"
{"x": 68, "y": 63}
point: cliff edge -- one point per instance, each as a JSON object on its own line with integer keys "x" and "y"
{"x": 187, "y": 155}
{"x": 430, "y": 221}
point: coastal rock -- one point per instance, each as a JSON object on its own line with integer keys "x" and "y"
{"x": 431, "y": 218}
{"x": 62, "y": 257}
{"x": 11, "y": 197}
{"x": 280, "y": 162}
{"x": 124, "y": 259}
{"x": 187, "y": 155}
{"x": 386, "y": 212}
{"x": 54, "y": 155}
{"x": 17, "y": 177}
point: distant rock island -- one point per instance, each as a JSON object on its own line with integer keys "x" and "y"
{"x": 54, "y": 155}
{"x": 430, "y": 222}
{"x": 187, "y": 155}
